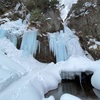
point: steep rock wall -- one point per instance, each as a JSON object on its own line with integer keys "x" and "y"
{"x": 84, "y": 18}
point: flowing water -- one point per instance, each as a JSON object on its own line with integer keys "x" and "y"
{"x": 84, "y": 91}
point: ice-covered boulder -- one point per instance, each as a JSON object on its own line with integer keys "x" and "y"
{"x": 69, "y": 97}
{"x": 95, "y": 80}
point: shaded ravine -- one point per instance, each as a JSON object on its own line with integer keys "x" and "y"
{"x": 84, "y": 91}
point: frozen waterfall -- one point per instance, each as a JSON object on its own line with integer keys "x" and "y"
{"x": 57, "y": 45}
{"x": 30, "y": 42}
{"x": 64, "y": 44}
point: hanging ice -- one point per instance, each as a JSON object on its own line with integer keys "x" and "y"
{"x": 29, "y": 42}
{"x": 64, "y": 44}
{"x": 57, "y": 44}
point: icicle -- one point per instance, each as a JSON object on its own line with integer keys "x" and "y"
{"x": 29, "y": 42}
{"x": 57, "y": 44}
{"x": 39, "y": 46}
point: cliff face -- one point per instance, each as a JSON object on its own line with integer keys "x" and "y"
{"x": 13, "y": 10}
{"x": 84, "y": 18}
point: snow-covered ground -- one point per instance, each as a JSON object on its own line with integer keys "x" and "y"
{"x": 24, "y": 78}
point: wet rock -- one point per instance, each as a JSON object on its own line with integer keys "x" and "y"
{"x": 44, "y": 54}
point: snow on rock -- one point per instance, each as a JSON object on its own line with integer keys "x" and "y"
{"x": 14, "y": 26}
{"x": 65, "y": 7}
{"x": 69, "y": 97}
{"x": 95, "y": 80}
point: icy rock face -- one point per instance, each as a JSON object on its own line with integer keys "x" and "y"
{"x": 84, "y": 17}
{"x": 30, "y": 42}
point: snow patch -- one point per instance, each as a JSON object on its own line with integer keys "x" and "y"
{"x": 65, "y": 7}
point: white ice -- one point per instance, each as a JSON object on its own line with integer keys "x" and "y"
{"x": 69, "y": 97}
{"x": 66, "y": 6}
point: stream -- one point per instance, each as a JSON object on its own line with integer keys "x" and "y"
{"x": 83, "y": 90}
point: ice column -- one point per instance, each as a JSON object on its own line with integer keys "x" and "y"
{"x": 30, "y": 42}
{"x": 57, "y": 44}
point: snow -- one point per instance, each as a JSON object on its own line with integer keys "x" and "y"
{"x": 34, "y": 77}
{"x": 3, "y": 33}
{"x": 17, "y": 6}
{"x": 94, "y": 45}
{"x": 89, "y": 4}
{"x": 14, "y": 27}
{"x": 65, "y": 7}
{"x": 69, "y": 97}
{"x": 31, "y": 79}
{"x": 95, "y": 81}
{"x": 24, "y": 78}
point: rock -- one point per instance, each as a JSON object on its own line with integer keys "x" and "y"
{"x": 6, "y": 5}
{"x": 84, "y": 18}
{"x": 44, "y": 55}
{"x": 53, "y": 20}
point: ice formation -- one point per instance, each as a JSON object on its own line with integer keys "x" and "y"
{"x": 31, "y": 79}
{"x": 57, "y": 44}
{"x": 24, "y": 78}
{"x": 30, "y": 42}
{"x": 64, "y": 44}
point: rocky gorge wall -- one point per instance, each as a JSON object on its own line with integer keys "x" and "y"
{"x": 84, "y": 18}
